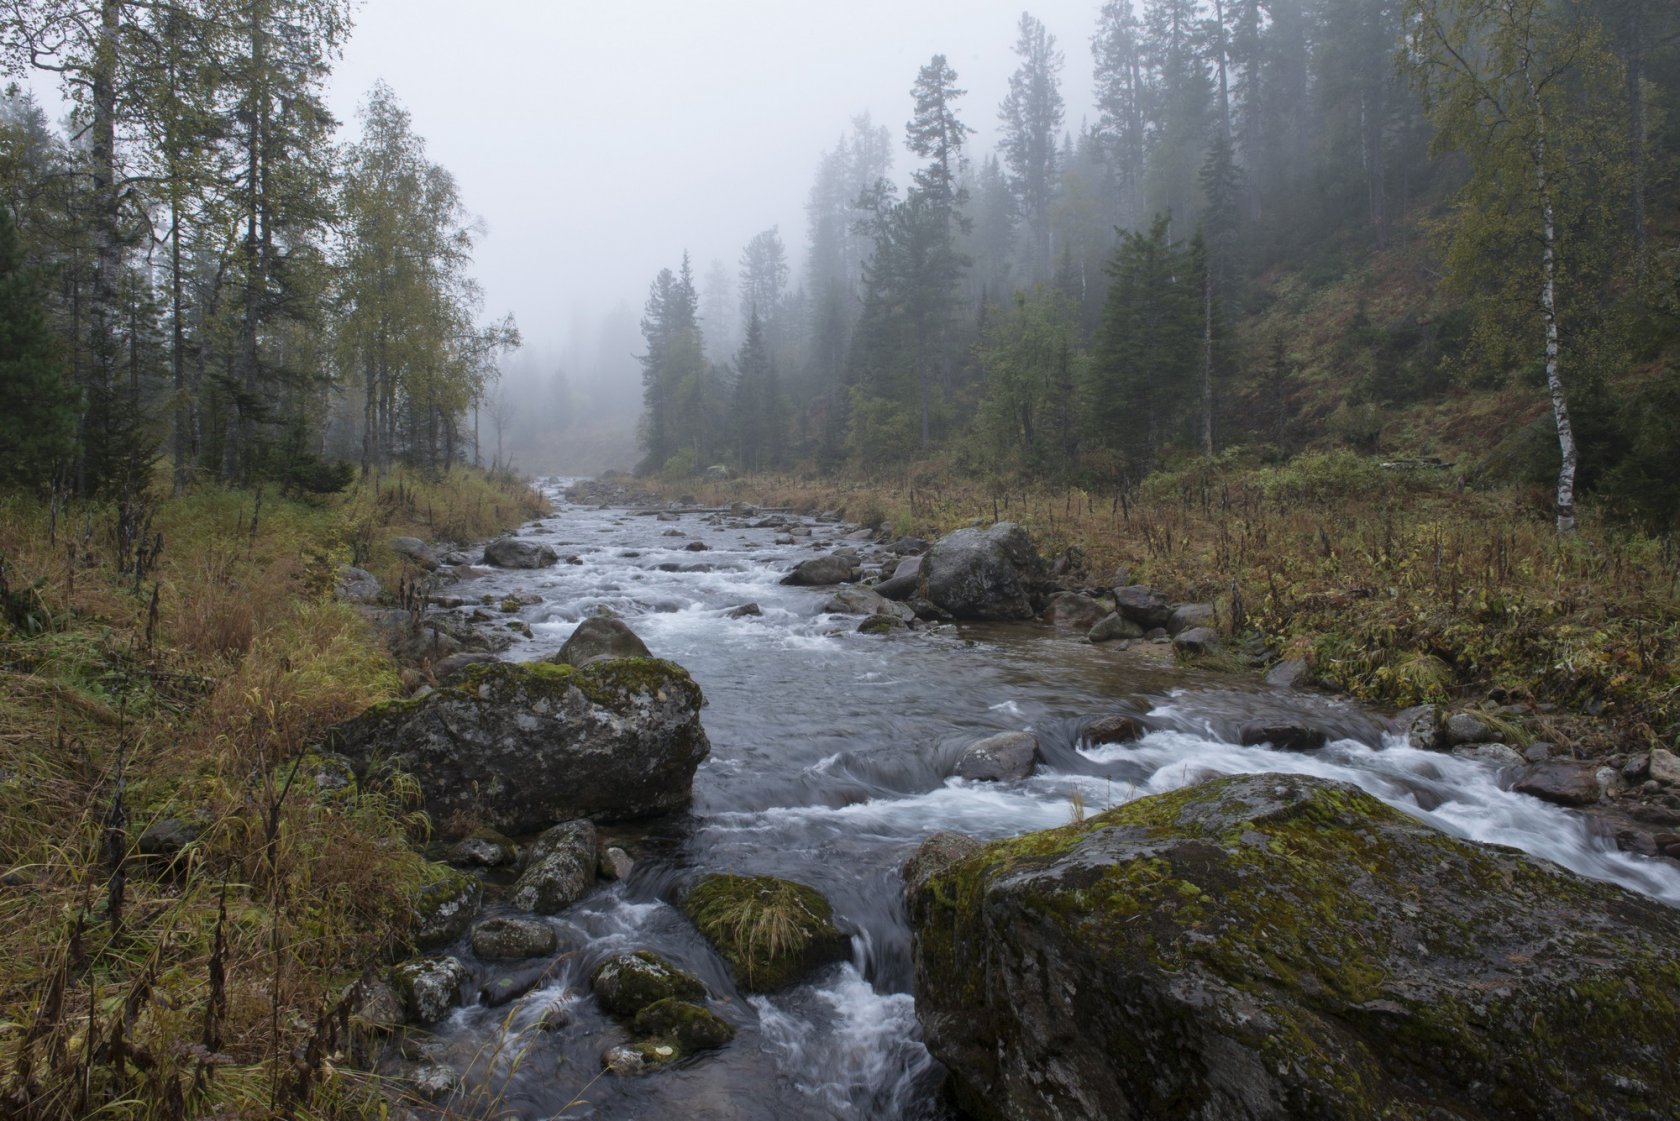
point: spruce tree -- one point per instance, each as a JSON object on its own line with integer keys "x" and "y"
{"x": 37, "y": 402}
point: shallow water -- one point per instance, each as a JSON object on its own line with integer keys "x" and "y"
{"x": 832, "y": 755}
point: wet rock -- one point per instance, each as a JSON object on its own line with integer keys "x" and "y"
{"x": 1291, "y": 673}
{"x": 990, "y": 573}
{"x": 1538, "y": 752}
{"x": 508, "y": 939}
{"x": 1564, "y": 782}
{"x": 902, "y": 584}
{"x": 1143, "y": 605}
{"x": 1498, "y": 754}
{"x": 484, "y": 848}
{"x": 682, "y": 1024}
{"x": 1664, "y": 767}
{"x": 445, "y": 907}
{"x": 428, "y": 988}
{"x": 1283, "y": 736}
{"x": 511, "y": 552}
{"x": 415, "y": 551}
{"x": 598, "y": 637}
{"x": 697, "y": 547}
{"x": 1114, "y": 628}
{"x": 627, "y": 983}
{"x": 556, "y": 1017}
{"x": 882, "y": 624}
{"x": 374, "y": 1006}
{"x": 746, "y": 611}
{"x": 358, "y": 585}
{"x": 771, "y": 932}
{"x": 615, "y": 864}
{"x": 1187, "y": 616}
{"x": 1074, "y": 612}
{"x": 819, "y": 572}
{"x": 559, "y": 871}
{"x": 908, "y": 547}
{"x": 1196, "y": 641}
{"x": 1271, "y": 946}
{"x": 1419, "y": 726}
{"x": 624, "y": 1062}
{"x": 433, "y": 1082}
{"x": 1116, "y": 728}
{"x": 518, "y": 747}
{"x": 936, "y": 854}
{"x": 503, "y": 988}
{"x": 864, "y": 601}
{"x": 1465, "y": 728}
{"x": 1006, "y": 757}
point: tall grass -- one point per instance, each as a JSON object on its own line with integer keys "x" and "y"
{"x": 216, "y": 984}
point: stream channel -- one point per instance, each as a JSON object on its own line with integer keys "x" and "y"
{"x": 832, "y": 758}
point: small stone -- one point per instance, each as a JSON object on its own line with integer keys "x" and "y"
{"x": 1112, "y": 627}
{"x": 1283, "y": 736}
{"x": 481, "y": 851}
{"x": 428, "y": 988}
{"x": 746, "y": 610}
{"x": 1291, "y": 673}
{"x": 1563, "y": 783}
{"x": 1498, "y": 754}
{"x": 1538, "y": 752}
{"x": 1118, "y": 728}
{"x": 1008, "y": 756}
{"x": 1196, "y": 641}
{"x": 1463, "y": 728}
{"x": 616, "y": 863}
{"x": 434, "y": 1082}
{"x": 1665, "y": 767}
{"x": 625, "y": 1062}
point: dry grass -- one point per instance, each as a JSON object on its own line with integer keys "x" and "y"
{"x": 214, "y": 987}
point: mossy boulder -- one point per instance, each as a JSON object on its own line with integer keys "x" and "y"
{"x": 1279, "y": 946}
{"x": 687, "y": 1026}
{"x": 771, "y": 932}
{"x": 445, "y": 906}
{"x": 627, "y": 983}
{"x": 518, "y": 747}
{"x": 598, "y": 638}
{"x": 429, "y": 988}
{"x": 560, "y": 870}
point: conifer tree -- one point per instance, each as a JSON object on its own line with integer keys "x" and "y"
{"x": 37, "y": 402}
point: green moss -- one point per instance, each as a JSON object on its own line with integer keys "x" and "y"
{"x": 684, "y": 1025}
{"x": 611, "y": 683}
{"x": 628, "y": 983}
{"x": 770, "y": 931}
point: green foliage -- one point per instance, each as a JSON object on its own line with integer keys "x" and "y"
{"x": 1033, "y": 364}
{"x": 37, "y": 402}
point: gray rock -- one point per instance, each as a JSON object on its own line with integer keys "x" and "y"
{"x": 1291, "y": 673}
{"x": 936, "y": 854}
{"x": 864, "y": 601}
{"x": 482, "y": 850}
{"x": 1272, "y": 946}
{"x": 374, "y": 1005}
{"x": 1498, "y": 754}
{"x": 1419, "y": 726}
{"x": 1114, "y": 628}
{"x": 559, "y": 871}
{"x": 508, "y": 939}
{"x": 598, "y": 637}
{"x": 1564, "y": 782}
{"x": 1189, "y": 615}
{"x": 1143, "y": 605}
{"x": 164, "y": 841}
{"x": 1283, "y": 735}
{"x": 746, "y": 611}
{"x": 624, "y": 1062}
{"x": 1196, "y": 640}
{"x": 820, "y": 572}
{"x": 1006, "y": 757}
{"x": 909, "y": 547}
{"x": 625, "y": 984}
{"x": 1115, "y": 728}
{"x": 518, "y": 747}
{"x": 1664, "y": 767}
{"x": 415, "y": 551}
{"x": 990, "y": 573}
{"x": 511, "y": 552}
{"x": 1466, "y": 728}
{"x": 615, "y": 863}
{"x": 433, "y": 1081}
{"x": 358, "y": 585}
{"x": 428, "y": 988}
{"x": 1074, "y": 612}
{"x": 906, "y": 578}
{"x": 1538, "y": 752}
{"x": 883, "y": 624}
{"x": 446, "y": 907}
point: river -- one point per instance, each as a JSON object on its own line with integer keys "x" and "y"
{"x": 831, "y": 760}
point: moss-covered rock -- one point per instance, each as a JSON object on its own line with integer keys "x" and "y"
{"x": 520, "y": 746}
{"x": 771, "y": 932}
{"x": 627, "y": 983}
{"x": 1275, "y": 946}
{"x": 445, "y": 906}
{"x": 428, "y": 988}
{"x": 683, "y": 1024}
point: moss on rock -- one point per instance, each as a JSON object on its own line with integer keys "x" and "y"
{"x": 771, "y": 932}
{"x": 627, "y": 983}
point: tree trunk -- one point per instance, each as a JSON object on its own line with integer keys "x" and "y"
{"x": 1548, "y": 313}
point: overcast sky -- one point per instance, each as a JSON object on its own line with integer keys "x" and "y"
{"x": 598, "y": 139}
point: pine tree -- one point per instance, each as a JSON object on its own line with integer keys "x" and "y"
{"x": 1031, "y": 115}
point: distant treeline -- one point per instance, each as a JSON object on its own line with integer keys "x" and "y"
{"x": 1082, "y": 304}
{"x": 194, "y": 270}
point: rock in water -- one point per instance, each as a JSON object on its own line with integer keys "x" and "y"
{"x": 598, "y": 637}
{"x": 818, "y": 572}
{"x": 985, "y": 573}
{"x": 771, "y": 932}
{"x": 1074, "y": 612}
{"x": 560, "y": 871}
{"x": 511, "y": 552}
{"x": 1279, "y": 946}
{"x": 519, "y": 747}
{"x": 1005, "y": 757}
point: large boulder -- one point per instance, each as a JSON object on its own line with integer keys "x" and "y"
{"x": 1005, "y": 757}
{"x": 511, "y": 552}
{"x": 518, "y": 747}
{"x": 599, "y": 637}
{"x": 1143, "y": 605}
{"x": 820, "y": 572}
{"x": 1280, "y": 946}
{"x": 993, "y": 573}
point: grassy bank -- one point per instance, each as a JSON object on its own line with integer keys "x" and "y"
{"x": 1396, "y": 584}
{"x": 173, "y": 661}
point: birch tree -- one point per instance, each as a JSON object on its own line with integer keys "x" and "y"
{"x": 1520, "y": 88}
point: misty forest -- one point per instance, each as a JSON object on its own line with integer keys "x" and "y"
{"x": 1181, "y": 579}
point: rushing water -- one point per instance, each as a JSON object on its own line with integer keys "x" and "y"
{"x": 832, "y": 755}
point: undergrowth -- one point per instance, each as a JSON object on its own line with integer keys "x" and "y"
{"x": 1398, "y": 586}
{"x": 179, "y": 688}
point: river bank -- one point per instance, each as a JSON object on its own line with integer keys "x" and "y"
{"x": 179, "y": 911}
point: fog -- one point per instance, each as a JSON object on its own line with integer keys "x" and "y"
{"x": 598, "y": 142}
